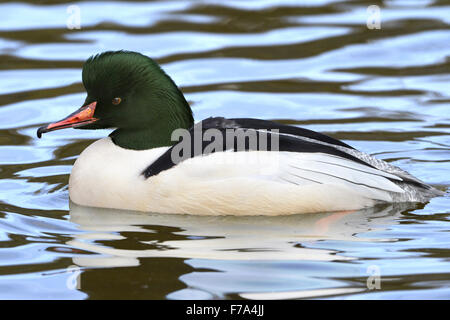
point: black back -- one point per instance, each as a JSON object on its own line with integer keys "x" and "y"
{"x": 289, "y": 139}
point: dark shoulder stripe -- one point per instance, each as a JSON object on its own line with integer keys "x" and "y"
{"x": 285, "y": 143}
{"x": 286, "y": 129}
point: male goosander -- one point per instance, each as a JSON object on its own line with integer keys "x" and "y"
{"x": 138, "y": 167}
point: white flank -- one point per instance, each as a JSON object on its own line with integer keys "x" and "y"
{"x": 237, "y": 183}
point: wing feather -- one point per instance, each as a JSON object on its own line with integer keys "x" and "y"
{"x": 318, "y": 168}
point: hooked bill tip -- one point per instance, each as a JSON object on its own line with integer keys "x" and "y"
{"x": 40, "y": 131}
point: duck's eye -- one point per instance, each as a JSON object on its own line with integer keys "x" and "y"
{"x": 116, "y": 101}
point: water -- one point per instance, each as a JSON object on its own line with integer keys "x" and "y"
{"x": 316, "y": 65}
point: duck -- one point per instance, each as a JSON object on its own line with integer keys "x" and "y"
{"x": 157, "y": 160}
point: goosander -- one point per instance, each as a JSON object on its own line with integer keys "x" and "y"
{"x": 157, "y": 160}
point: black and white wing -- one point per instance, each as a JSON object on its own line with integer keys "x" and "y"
{"x": 305, "y": 157}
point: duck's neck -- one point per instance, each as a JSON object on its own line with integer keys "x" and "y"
{"x": 155, "y": 136}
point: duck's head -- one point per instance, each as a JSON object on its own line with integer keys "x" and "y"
{"x": 130, "y": 92}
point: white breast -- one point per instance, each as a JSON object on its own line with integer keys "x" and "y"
{"x": 239, "y": 183}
